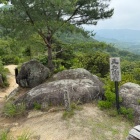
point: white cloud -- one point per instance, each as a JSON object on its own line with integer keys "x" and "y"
{"x": 126, "y": 16}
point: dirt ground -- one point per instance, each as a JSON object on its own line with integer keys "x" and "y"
{"x": 11, "y": 81}
{"x": 90, "y": 123}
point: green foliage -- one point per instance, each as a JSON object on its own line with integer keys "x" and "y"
{"x": 136, "y": 74}
{"x": 43, "y": 59}
{"x": 24, "y": 136}
{"x": 110, "y": 96}
{"x": 12, "y": 110}
{"x": 139, "y": 101}
{"x": 96, "y": 63}
{"x": 68, "y": 114}
{"x": 128, "y": 113}
{"x": 74, "y": 106}
{"x": 4, "y": 135}
{"x": 3, "y": 72}
{"x": 10, "y": 59}
{"x": 27, "y": 51}
{"x": 37, "y": 106}
{"x": 60, "y": 68}
{"x": 5, "y": 82}
{"x": 49, "y": 23}
{"x": 104, "y": 104}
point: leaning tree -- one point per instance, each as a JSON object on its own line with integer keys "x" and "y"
{"x": 47, "y": 17}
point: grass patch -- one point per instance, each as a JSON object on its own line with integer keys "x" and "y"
{"x": 24, "y": 136}
{"x": 5, "y": 136}
{"x": 37, "y": 106}
{"x": 12, "y": 110}
{"x": 69, "y": 114}
{"x": 127, "y": 112}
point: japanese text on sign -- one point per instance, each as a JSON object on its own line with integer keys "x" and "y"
{"x": 115, "y": 72}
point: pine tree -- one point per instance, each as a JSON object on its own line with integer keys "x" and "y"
{"x": 46, "y": 17}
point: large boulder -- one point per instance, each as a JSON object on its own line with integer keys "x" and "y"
{"x": 32, "y": 74}
{"x": 82, "y": 89}
{"x": 130, "y": 94}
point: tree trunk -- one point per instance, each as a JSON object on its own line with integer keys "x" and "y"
{"x": 50, "y": 63}
{"x": 48, "y": 42}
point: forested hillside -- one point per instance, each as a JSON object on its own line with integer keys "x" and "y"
{"x": 71, "y": 49}
{"x": 121, "y": 38}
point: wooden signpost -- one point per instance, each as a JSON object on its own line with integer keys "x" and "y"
{"x": 115, "y": 74}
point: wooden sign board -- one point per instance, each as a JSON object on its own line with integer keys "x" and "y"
{"x": 115, "y": 71}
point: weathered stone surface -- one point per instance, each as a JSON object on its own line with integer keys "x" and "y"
{"x": 1, "y": 80}
{"x": 32, "y": 74}
{"x": 81, "y": 90}
{"x": 131, "y": 138}
{"x": 134, "y": 133}
{"x": 79, "y": 73}
{"x": 130, "y": 94}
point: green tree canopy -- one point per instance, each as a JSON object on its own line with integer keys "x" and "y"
{"x": 46, "y": 17}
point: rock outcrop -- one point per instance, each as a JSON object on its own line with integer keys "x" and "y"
{"x": 79, "y": 73}
{"x": 130, "y": 94}
{"x": 32, "y": 74}
{"x": 81, "y": 85}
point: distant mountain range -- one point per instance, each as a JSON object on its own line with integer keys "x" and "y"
{"x": 122, "y": 38}
{"x": 124, "y": 35}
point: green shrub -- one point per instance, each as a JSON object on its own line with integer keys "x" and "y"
{"x": 110, "y": 97}
{"x": 16, "y": 60}
{"x": 60, "y": 68}
{"x": 128, "y": 113}
{"x": 42, "y": 59}
{"x": 8, "y": 59}
{"x": 5, "y": 82}
{"x": 104, "y": 104}
{"x": 4, "y": 135}
{"x": 96, "y": 63}
{"x": 12, "y": 110}
{"x": 3, "y": 72}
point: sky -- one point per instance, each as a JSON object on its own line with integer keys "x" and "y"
{"x": 126, "y": 16}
